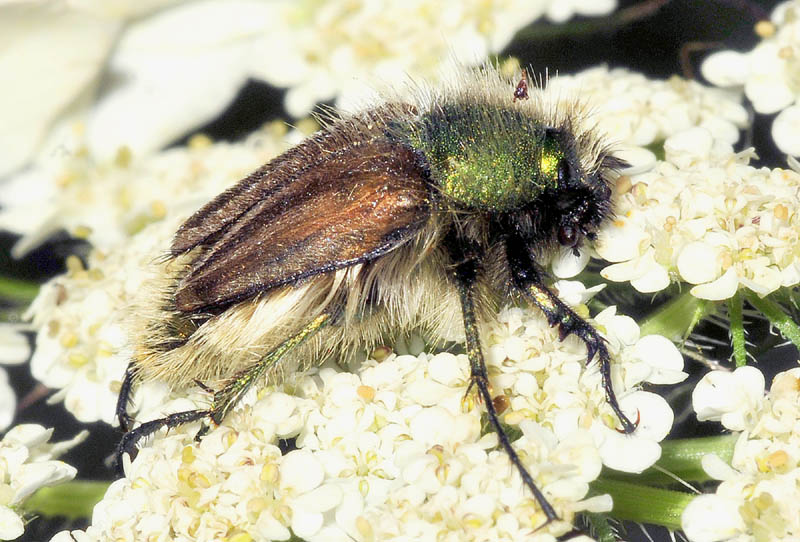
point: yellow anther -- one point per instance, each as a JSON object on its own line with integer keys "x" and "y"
{"x": 367, "y": 393}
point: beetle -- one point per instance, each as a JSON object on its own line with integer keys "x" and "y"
{"x": 398, "y": 218}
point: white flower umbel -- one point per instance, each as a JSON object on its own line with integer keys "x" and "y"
{"x": 568, "y": 398}
{"x": 768, "y": 73}
{"x": 706, "y": 217}
{"x": 636, "y": 111}
{"x": 81, "y": 343}
{"x": 758, "y": 499}
{"x": 393, "y": 450}
{"x": 27, "y": 462}
{"x": 106, "y": 202}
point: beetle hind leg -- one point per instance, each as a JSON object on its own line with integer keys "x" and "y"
{"x": 229, "y": 395}
{"x": 224, "y": 399}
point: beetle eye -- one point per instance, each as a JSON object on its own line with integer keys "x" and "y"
{"x": 567, "y": 235}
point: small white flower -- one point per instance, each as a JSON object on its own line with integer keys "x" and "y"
{"x": 561, "y": 11}
{"x": 566, "y": 263}
{"x": 574, "y": 293}
{"x": 14, "y": 348}
{"x": 640, "y": 450}
{"x": 11, "y": 524}
{"x": 26, "y": 464}
{"x": 651, "y": 358}
{"x": 757, "y": 498}
{"x": 767, "y": 74}
{"x": 729, "y": 397}
{"x": 785, "y": 128}
{"x": 711, "y": 518}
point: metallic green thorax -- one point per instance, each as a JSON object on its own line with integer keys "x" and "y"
{"x": 488, "y": 158}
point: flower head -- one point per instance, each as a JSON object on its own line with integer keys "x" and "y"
{"x": 636, "y": 111}
{"x": 27, "y": 462}
{"x": 706, "y": 217}
{"x": 768, "y": 73}
{"x": 757, "y": 499}
{"x": 390, "y": 449}
{"x": 108, "y": 202}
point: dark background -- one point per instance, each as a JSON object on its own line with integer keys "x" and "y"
{"x": 648, "y": 38}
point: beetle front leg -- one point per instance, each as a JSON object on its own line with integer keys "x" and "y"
{"x": 529, "y": 281}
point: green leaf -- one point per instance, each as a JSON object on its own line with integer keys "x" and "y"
{"x": 73, "y": 500}
{"x": 18, "y": 291}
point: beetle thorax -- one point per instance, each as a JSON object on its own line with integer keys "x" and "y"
{"x": 494, "y": 159}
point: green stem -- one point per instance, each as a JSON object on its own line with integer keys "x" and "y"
{"x": 737, "y": 329}
{"x": 788, "y": 297}
{"x": 680, "y": 460}
{"x": 677, "y": 318}
{"x": 18, "y": 291}
{"x": 642, "y": 504}
{"x": 73, "y": 500}
{"x": 776, "y": 316}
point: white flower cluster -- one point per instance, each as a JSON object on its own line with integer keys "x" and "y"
{"x": 194, "y": 56}
{"x": 768, "y": 73}
{"x": 332, "y": 47}
{"x": 568, "y": 398}
{"x": 636, "y": 111}
{"x": 27, "y": 463}
{"x": 758, "y": 498}
{"x": 706, "y": 217}
{"x": 390, "y": 451}
{"x": 107, "y": 202}
{"x": 81, "y": 344}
